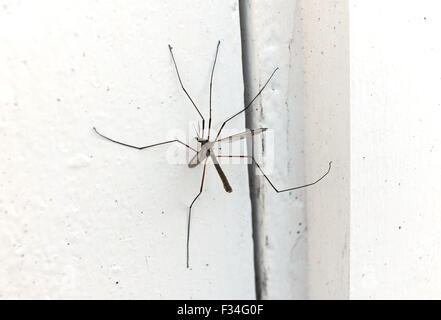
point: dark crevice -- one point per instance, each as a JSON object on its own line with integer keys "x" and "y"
{"x": 244, "y": 14}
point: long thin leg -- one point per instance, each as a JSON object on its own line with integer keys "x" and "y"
{"x": 211, "y": 87}
{"x": 248, "y": 105}
{"x": 183, "y": 88}
{"x": 145, "y": 147}
{"x": 189, "y": 212}
{"x": 272, "y": 185}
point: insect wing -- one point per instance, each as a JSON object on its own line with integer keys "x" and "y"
{"x": 242, "y": 135}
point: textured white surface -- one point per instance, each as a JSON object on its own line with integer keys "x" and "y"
{"x": 326, "y": 42}
{"x": 395, "y": 149}
{"x": 386, "y": 172}
{"x": 308, "y": 41}
{"x": 81, "y": 217}
{"x": 275, "y": 40}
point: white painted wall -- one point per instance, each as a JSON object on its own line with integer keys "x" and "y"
{"x": 395, "y": 149}
{"x": 307, "y": 107}
{"x": 84, "y": 218}
{"x": 326, "y": 45}
{"x": 274, "y": 38}
{"x": 374, "y": 229}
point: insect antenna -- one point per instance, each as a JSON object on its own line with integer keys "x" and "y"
{"x": 196, "y": 130}
{"x": 199, "y": 131}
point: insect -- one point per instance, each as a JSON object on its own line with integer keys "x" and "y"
{"x": 206, "y": 148}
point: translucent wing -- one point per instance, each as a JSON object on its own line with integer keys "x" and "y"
{"x": 242, "y": 135}
{"x": 201, "y": 155}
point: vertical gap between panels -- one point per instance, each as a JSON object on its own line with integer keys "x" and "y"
{"x": 245, "y": 25}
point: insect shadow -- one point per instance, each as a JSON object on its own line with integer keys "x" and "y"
{"x": 206, "y": 146}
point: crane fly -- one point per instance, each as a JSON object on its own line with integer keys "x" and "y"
{"x": 206, "y": 148}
